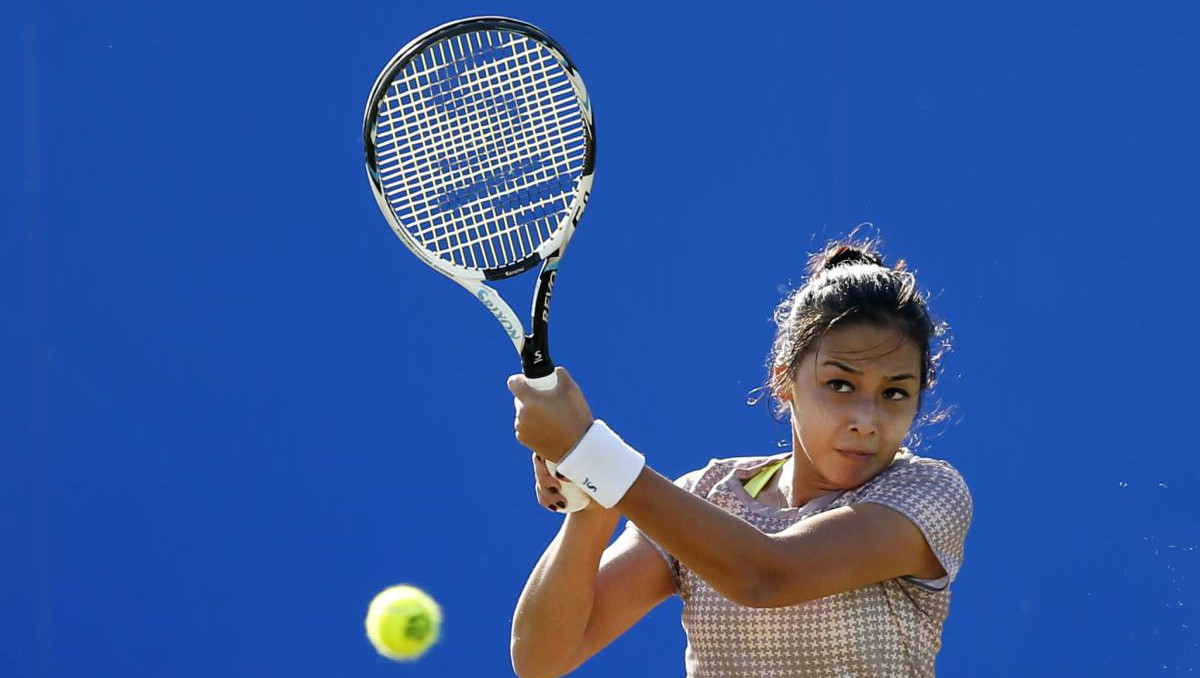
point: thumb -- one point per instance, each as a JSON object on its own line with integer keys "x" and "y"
{"x": 519, "y": 387}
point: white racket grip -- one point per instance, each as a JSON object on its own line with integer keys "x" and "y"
{"x": 546, "y": 383}
{"x": 576, "y": 498}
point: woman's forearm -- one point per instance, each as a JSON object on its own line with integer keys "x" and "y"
{"x": 733, "y": 556}
{"x": 556, "y": 604}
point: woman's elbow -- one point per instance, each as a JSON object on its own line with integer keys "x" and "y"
{"x": 535, "y": 672}
{"x": 524, "y": 666}
{"x": 775, "y": 591}
{"x": 758, "y": 583}
{"x": 767, "y": 587}
{"x": 753, "y": 592}
{"x": 527, "y": 662}
{"x": 526, "y": 672}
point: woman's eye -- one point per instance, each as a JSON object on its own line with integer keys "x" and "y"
{"x": 840, "y": 385}
{"x": 895, "y": 394}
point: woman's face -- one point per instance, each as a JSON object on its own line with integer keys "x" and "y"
{"x": 853, "y": 402}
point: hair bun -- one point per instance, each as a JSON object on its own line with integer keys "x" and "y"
{"x": 844, "y": 255}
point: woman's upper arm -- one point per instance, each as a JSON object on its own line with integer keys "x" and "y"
{"x": 845, "y": 549}
{"x": 912, "y": 522}
{"x": 633, "y": 579}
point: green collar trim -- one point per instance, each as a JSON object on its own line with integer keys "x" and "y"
{"x": 756, "y": 484}
{"x": 760, "y": 479}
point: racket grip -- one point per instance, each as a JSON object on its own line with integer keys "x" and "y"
{"x": 576, "y": 498}
{"x": 546, "y": 383}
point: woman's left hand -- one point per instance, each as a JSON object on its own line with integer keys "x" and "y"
{"x": 550, "y": 422}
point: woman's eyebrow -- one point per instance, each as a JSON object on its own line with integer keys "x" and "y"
{"x": 843, "y": 366}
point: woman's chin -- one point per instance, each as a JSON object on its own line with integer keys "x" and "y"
{"x": 850, "y": 478}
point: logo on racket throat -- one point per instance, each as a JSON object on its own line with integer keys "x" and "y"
{"x": 579, "y": 209}
{"x": 485, "y": 296}
{"x": 549, "y": 292}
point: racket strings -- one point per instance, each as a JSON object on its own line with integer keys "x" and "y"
{"x": 509, "y": 249}
{"x": 524, "y": 163}
{"x": 483, "y": 144}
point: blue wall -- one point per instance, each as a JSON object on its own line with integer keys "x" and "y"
{"x": 235, "y": 407}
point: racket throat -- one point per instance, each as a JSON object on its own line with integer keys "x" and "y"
{"x": 535, "y": 357}
{"x": 535, "y": 352}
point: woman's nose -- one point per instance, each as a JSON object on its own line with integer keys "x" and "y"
{"x": 864, "y": 417}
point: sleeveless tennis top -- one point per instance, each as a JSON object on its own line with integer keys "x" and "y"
{"x": 887, "y": 630}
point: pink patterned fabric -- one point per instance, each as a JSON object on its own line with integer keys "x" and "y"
{"x": 887, "y": 630}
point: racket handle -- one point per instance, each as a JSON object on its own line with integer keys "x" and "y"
{"x": 546, "y": 383}
{"x": 576, "y": 498}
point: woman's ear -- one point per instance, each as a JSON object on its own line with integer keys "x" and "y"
{"x": 783, "y": 395}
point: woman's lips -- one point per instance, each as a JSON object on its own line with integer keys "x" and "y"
{"x": 855, "y": 455}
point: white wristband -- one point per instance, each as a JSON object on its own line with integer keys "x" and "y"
{"x": 603, "y": 465}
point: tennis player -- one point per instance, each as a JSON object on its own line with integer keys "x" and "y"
{"x": 833, "y": 559}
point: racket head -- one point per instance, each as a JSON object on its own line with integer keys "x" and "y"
{"x": 480, "y": 147}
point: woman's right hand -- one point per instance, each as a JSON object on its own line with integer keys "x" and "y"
{"x": 548, "y": 487}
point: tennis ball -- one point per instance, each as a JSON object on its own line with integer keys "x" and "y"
{"x": 403, "y": 622}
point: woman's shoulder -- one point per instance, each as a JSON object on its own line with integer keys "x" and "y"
{"x": 934, "y": 496}
{"x": 913, "y": 466}
{"x": 915, "y": 476}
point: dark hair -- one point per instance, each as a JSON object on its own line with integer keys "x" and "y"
{"x": 848, "y": 282}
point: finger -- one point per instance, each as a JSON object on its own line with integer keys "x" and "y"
{"x": 545, "y": 473}
{"x": 519, "y": 387}
{"x": 564, "y": 377}
{"x": 539, "y": 471}
{"x": 550, "y": 498}
{"x": 547, "y": 488}
{"x": 542, "y": 474}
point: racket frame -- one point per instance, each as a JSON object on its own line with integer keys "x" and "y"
{"x": 532, "y": 346}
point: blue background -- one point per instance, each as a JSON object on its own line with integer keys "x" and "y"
{"x": 235, "y": 407}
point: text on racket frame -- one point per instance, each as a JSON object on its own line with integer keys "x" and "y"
{"x": 484, "y": 295}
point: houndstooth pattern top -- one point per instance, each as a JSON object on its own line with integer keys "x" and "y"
{"x": 891, "y": 629}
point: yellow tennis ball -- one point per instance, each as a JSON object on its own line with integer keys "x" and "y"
{"x": 403, "y": 622}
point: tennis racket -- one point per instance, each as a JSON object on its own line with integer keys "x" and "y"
{"x": 480, "y": 150}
